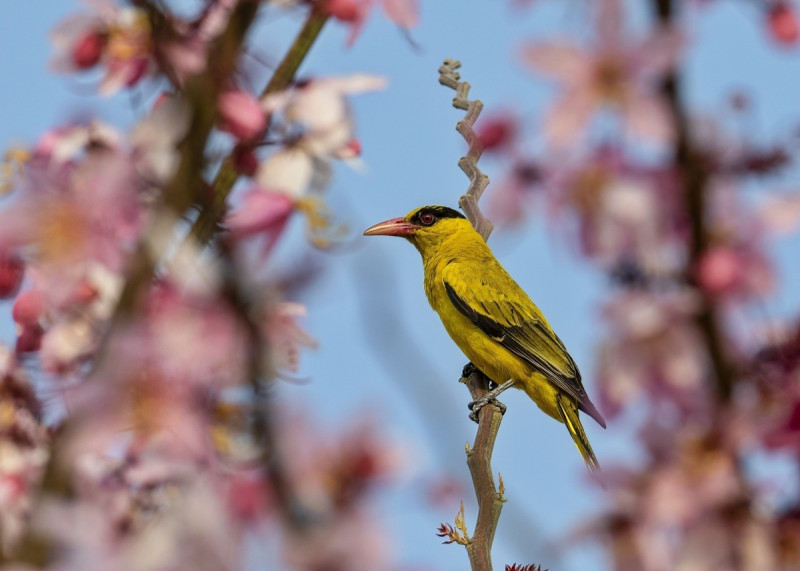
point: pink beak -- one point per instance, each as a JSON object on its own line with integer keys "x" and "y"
{"x": 391, "y": 227}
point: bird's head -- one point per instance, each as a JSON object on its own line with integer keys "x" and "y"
{"x": 425, "y": 227}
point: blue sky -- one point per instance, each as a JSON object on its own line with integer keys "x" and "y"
{"x": 382, "y": 350}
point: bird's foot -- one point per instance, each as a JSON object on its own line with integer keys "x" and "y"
{"x": 490, "y": 397}
{"x": 469, "y": 368}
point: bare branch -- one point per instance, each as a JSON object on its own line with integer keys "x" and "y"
{"x": 468, "y": 202}
{"x": 479, "y": 460}
{"x": 695, "y": 180}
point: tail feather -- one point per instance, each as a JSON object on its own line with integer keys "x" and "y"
{"x": 569, "y": 414}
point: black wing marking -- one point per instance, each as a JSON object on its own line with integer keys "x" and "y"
{"x": 517, "y": 339}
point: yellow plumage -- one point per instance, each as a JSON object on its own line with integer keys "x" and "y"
{"x": 491, "y": 319}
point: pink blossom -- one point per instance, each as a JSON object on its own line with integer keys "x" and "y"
{"x": 12, "y": 272}
{"x": 263, "y": 213}
{"x": 782, "y": 22}
{"x": 117, "y": 37}
{"x": 290, "y": 171}
{"x": 320, "y": 107}
{"x": 726, "y": 270}
{"x": 188, "y": 51}
{"x": 241, "y": 115}
{"x": 28, "y": 308}
{"x": 780, "y": 214}
{"x": 496, "y": 132}
{"x": 248, "y": 497}
{"x": 155, "y": 138}
{"x": 610, "y": 73}
{"x": 652, "y": 348}
{"x": 89, "y": 49}
{"x": 23, "y": 449}
{"x": 285, "y": 337}
{"x": 193, "y": 338}
{"x": 786, "y": 434}
{"x": 332, "y": 476}
{"x": 29, "y": 339}
{"x": 404, "y": 13}
{"x": 625, "y": 215}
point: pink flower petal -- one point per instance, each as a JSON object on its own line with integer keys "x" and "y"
{"x": 28, "y": 308}
{"x": 559, "y": 60}
{"x": 260, "y": 211}
{"x": 659, "y": 52}
{"x": 12, "y": 272}
{"x": 648, "y": 116}
{"x": 719, "y": 270}
{"x": 609, "y": 23}
{"x": 289, "y": 170}
{"x": 782, "y": 23}
{"x": 781, "y": 214}
{"x": 285, "y": 337}
{"x": 241, "y": 115}
{"x": 404, "y": 13}
{"x": 353, "y": 12}
{"x": 567, "y": 118}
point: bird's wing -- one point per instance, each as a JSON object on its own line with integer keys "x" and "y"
{"x": 493, "y": 301}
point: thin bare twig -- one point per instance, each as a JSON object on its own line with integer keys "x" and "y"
{"x": 479, "y": 460}
{"x": 468, "y": 202}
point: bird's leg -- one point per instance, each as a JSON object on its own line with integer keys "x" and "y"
{"x": 490, "y": 397}
{"x": 469, "y": 368}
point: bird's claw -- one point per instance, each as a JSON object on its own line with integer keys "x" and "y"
{"x": 469, "y": 369}
{"x": 476, "y": 405}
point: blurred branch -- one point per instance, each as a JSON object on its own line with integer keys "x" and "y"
{"x": 179, "y": 194}
{"x": 468, "y": 202}
{"x": 206, "y": 224}
{"x": 690, "y": 166}
{"x": 263, "y": 417}
{"x": 479, "y": 460}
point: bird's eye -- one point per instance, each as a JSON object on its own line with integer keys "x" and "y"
{"x": 427, "y": 218}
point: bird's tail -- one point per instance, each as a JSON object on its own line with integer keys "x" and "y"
{"x": 569, "y": 414}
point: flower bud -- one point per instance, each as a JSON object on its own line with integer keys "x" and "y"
{"x": 12, "y": 271}
{"x": 782, "y": 23}
{"x": 88, "y": 50}
{"x": 241, "y": 115}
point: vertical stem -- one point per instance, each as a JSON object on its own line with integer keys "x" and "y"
{"x": 479, "y": 460}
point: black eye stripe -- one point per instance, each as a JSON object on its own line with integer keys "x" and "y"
{"x": 437, "y": 212}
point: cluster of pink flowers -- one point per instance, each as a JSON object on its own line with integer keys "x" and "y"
{"x": 155, "y": 380}
{"x": 680, "y": 339}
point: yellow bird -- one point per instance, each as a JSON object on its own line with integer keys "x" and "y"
{"x": 491, "y": 318}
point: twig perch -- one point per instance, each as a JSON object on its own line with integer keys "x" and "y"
{"x": 479, "y": 457}
{"x": 468, "y": 202}
{"x": 479, "y": 461}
